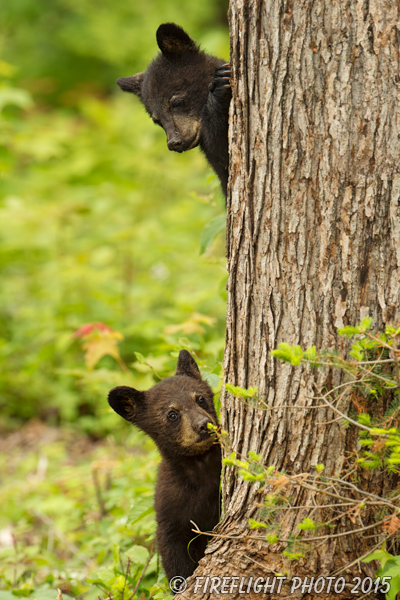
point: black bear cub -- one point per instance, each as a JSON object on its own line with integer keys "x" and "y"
{"x": 175, "y": 413}
{"x": 188, "y": 93}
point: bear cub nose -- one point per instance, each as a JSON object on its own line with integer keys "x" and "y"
{"x": 175, "y": 144}
{"x": 202, "y": 425}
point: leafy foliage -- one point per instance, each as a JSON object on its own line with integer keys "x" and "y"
{"x": 83, "y": 510}
{"x": 90, "y": 234}
{"x": 67, "y": 47}
{"x": 103, "y": 281}
{"x": 374, "y": 369}
{"x": 371, "y": 376}
{"x": 390, "y": 568}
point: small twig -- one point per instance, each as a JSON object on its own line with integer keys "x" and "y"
{"x": 152, "y": 369}
{"x": 50, "y": 523}
{"x": 370, "y": 503}
{"x": 346, "y": 417}
{"x": 143, "y": 572}
{"x": 319, "y": 506}
{"x": 345, "y": 384}
{"x": 373, "y": 362}
{"x": 380, "y": 500}
{"x": 287, "y": 540}
{"x": 397, "y": 369}
{"x": 263, "y": 567}
{"x": 382, "y": 343}
{"x": 360, "y": 559}
{"x": 369, "y": 372}
{"x": 97, "y": 487}
{"x": 320, "y": 491}
{"x": 128, "y": 564}
{"x": 328, "y": 422}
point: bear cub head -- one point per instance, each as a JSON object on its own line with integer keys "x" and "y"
{"x": 175, "y": 413}
{"x": 174, "y": 88}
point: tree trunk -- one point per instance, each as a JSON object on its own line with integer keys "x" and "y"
{"x": 313, "y": 243}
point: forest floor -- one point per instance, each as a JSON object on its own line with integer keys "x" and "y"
{"x": 76, "y": 515}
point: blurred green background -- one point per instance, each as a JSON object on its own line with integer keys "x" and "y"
{"x": 99, "y": 222}
{"x": 111, "y": 260}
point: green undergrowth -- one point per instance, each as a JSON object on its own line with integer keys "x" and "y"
{"x": 101, "y": 228}
{"x": 75, "y": 513}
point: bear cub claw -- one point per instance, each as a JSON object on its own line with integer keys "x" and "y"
{"x": 222, "y": 79}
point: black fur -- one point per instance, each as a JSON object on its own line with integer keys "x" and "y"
{"x": 187, "y": 93}
{"x": 188, "y": 477}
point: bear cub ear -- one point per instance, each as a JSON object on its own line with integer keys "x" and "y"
{"x": 132, "y": 84}
{"x": 187, "y": 365}
{"x": 126, "y": 402}
{"x": 173, "y": 41}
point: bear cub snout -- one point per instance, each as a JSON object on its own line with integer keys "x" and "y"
{"x": 175, "y": 413}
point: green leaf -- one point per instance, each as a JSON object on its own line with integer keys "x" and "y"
{"x": 240, "y": 392}
{"x": 364, "y": 419}
{"x": 253, "y": 524}
{"x": 394, "y": 587}
{"x": 115, "y": 553}
{"x": 141, "y": 508}
{"x": 271, "y": 538}
{"x": 255, "y": 457}
{"x": 311, "y": 354}
{"x": 307, "y": 524}
{"x": 366, "y": 323}
{"x": 211, "y": 230}
{"x": 348, "y": 331}
{"x": 212, "y": 379}
{"x": 287, "y": 353}
{"x": 140, "y": 358}
{"x": 293, "y": 556}
{"x": 380, "y": 555}
{"x": 137, "y": 554}
{"x": 15, "y": 97}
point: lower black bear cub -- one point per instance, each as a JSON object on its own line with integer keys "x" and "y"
{"x": 188, "y": 93}
{"x": 175, "y": 413}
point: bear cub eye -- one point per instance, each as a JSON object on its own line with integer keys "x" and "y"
{"x": 176, "y": 102}
{"x": 201, "y": 401}
{"x": 173, "y": 416}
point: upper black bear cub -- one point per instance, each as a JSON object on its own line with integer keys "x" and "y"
{"x": 188, "y": 93}
{"x": 175, "y": 413}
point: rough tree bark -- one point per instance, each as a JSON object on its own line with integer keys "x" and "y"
{"x": 313, "y": 243}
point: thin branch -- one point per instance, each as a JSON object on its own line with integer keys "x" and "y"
{"x": 319, "y": 506}
{"x": 384, "y": 379}
{"x": 143, "y": 572}
{"x": 380, "y": 500}
{"x": 345, "y": 384}
{"x": 99, "y": 495}
{"x": 287, "y": 540}
{"x": 328, "y": 422}
{"x": 361, "y": 558}
{"x": 373, "y": 362}
{"x": 346, "y": 417}
{"x": 382, "y": 343}
{"x": 62, "y": 537}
